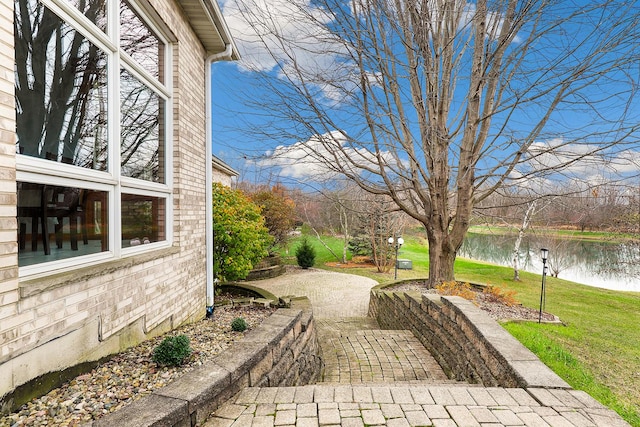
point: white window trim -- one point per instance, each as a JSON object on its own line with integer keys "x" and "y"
{"x": 36, "y": 170}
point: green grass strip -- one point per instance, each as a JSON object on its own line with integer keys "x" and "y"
{"x": 537, "y": 339}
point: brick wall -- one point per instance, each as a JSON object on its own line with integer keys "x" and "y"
{"x": 467, "y": 343}
{"x": 221, "y": 178}
{"x": 99, "y": 310}
{"x": 10, "y": 316}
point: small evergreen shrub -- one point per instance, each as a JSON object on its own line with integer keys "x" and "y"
{"x": 360, "y": 245}
{"x": 305, "y": 254}
{"x": 172, "y": 351}
{"x": 239, "y": 324}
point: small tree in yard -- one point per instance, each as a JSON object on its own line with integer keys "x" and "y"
{"x": 239, "y": 233}
{"x": 305, "y": 254}
{"x": 279, "y": 212}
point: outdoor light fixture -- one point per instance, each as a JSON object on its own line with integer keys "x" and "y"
{"x": 396, "y": 245}
{"x": 544, "y": 254}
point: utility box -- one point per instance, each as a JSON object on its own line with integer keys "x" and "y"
{"x": 404, "y": 264}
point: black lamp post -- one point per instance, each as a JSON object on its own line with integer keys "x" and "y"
{"x": 544, "y": 253}
{"x": 396, "y": 245}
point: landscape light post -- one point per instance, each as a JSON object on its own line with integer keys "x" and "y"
{"x": 396, "y": 245}
{"x": 544, "y": 253}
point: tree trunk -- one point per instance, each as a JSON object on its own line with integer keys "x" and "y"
{"x": 441, "y": 259}
{"x": 345, "y": 231}
{"x": 516, "y": 249}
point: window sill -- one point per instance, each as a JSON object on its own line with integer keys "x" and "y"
{"x": 32, "y": 287}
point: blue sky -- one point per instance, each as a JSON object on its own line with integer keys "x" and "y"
{"x": 234, "y": 83}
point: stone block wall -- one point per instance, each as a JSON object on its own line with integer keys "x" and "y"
{"x": 282, "y": 351}
{"x": 466, "y": 342}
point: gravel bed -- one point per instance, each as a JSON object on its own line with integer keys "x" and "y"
{"x": 132, "y": 374}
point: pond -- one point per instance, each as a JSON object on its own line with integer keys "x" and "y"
{"x": 596, "y": 263}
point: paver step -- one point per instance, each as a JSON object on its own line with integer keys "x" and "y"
{"x": 412, "y": 405}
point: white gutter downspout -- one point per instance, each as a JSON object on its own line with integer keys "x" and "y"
{"x": 225, "y": 55}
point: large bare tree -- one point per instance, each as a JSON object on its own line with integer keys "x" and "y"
{"x": 438, "y": 103}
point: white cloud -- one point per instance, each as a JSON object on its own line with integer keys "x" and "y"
{"x": 290, "y": 36}
{"x": 303, "y": 160}
{"x": 320, "y": 157}
{"x": 562, "y": 161}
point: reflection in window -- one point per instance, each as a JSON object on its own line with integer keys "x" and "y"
{"x": 95, "y": 10}
{"x": 61, "y": 90}
{"x": 59, "y": 222}
{"x": 139, "y": 41}
{"x": 143, "y": 220}
{"x": 142, "y": 142}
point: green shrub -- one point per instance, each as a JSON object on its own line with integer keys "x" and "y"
{"x": 239, "y": 324}
{"x": 172, "y": 351}
{"x": 360, "y": 245}
{"x": 305, "y": 254}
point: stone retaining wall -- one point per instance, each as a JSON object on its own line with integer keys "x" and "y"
{"x": 265, "y": 273}
{"x": 282, "y": 351}
{"x": 466, "y": 342}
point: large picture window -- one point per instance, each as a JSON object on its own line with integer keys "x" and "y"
{"x": 61, "y": 90}
{"x": 79, "y": 148}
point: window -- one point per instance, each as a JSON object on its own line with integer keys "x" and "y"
{"x": 91, "y": 165}
{"x": 142, "y": 220}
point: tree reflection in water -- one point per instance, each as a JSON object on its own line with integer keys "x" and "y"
{"x": 597, "y": 263}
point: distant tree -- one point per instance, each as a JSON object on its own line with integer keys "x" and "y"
{"x": 279, "y": 212}
{"x": 319, "y": 215}
{"x": 526, "y": 221}
{"x": 239, "y": 233}
{"x": 379, "y": 220}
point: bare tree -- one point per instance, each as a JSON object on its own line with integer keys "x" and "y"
{"x": 438, "y": 103}
{"x": 526, "y": 221}
{"x": 312, "y": 209}
{"x": 379, "y": 220}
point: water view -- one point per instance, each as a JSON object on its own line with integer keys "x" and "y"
{"x": 603, "y": 264}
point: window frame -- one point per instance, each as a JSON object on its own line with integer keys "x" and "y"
{"x": 38, "y": 170}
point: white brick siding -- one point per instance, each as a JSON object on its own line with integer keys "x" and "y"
{"x": 101, "y": 309}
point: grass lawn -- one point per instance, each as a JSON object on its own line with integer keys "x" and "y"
{"x": 601, "y": 236}
{"x": 597, "y": 349}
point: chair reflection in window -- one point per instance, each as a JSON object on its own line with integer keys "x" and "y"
{"x": 41, "y": 203}
{"x": 32, "y": 199}
{"x": 68, "y": 203}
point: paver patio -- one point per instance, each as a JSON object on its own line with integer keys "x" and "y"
{"x": 376, "y": 377}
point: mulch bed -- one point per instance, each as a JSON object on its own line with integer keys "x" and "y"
{"x": 495, "y": 309}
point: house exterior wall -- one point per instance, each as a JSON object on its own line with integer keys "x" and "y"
{"x": 221, "y": 172}
{"x": 54, "y": 322}
{"x": 221, "y": 177}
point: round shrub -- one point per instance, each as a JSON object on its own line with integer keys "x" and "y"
{"x": 239, "y": 324}
{"x": 305, "y": 254}
{"x": 172, "y": 351}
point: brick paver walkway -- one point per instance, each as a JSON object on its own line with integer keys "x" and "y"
{"x": 386, "y": 378}
{"x": 355, "y": 351}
